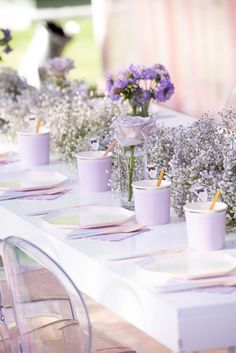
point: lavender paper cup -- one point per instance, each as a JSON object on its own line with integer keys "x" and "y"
{"x": 205, "y": 228}
{"x": 152, "y": 204}
{"x": 34, "y": 148}
{"x": 94, "y": 171}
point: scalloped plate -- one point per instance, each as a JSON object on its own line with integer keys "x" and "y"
{"x": 189, "y": 265}
{"x": 88, "y": 217}
{"x": 31, "y": 180}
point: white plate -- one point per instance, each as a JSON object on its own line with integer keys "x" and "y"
{"x": 188, "y": 265}
{"x": 88, "y": 217}
{"x": 31, "y": 180}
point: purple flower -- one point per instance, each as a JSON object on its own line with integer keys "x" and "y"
{"x": 58, "y": 67}
{"x": 166, "y": 89}
{"x": 139, "y": 84}
{"x": 139, "y": 97}
{"x": 6, "y": 33}
{"x": 109, "y": 82}
{"x": 7, "y": 50}
{"x": 159, "y": 67}
{"x": 130, "y": 73}
{"x": 147, "y": 95}
{"x": 149, "y": 73}
{"x": 4, "y": 41}
{"x": 122, "y": 83}
{"x": 113, "y": 88}
{"x": 115, "y": 93}
{"x": 160, "y": 73}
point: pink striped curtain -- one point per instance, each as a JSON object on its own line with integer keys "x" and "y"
{"x": 194, "y": 39}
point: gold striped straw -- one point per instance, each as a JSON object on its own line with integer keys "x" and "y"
{"x": 110, "y": 148}
{"x": 162, "y": 172}
{"x": 38, "y": 123}
{"x": 214, "y": 200}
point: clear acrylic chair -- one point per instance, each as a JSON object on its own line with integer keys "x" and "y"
{"x": 41, "y": 310}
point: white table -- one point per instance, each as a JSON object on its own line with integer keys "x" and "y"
{"x": 181, "y": 320}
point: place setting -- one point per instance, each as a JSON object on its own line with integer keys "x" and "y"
{"x": 31, "y": 183}
{"x": 184, "y": 271}
{"x": 94, "y": 222}
{"x": 204, "y": 264}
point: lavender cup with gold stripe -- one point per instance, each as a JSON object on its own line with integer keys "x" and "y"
{"x": 34, "y": 148}
{"x": 152, "y": 203}
{"x": 94, "y": 171}
{"x": 205, "y": 227}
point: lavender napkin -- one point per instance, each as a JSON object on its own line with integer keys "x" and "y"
{"x": 218, "y": 289}
{"x": 175, "y": 285}
{"x": 10, "y": 195}
{"x": 7, "y": 161}
{"x": 47, "y": 197}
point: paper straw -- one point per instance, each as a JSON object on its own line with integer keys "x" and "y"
{"x": 214, "y": 200}
{"x": 160, "y": 177}
{"x": 38, "y": 123}
{"x": 110, "y": 148}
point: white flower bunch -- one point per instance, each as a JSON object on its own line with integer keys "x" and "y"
{"x": 161, "y": 147}
{"x": 74, "y": 120}
{"x": 200, "y": 159}
{"x": 16, "y": 100}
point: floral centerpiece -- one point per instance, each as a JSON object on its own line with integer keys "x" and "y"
{"x": 138, "y": 85}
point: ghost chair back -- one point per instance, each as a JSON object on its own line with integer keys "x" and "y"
{"x": 42, "y": 309}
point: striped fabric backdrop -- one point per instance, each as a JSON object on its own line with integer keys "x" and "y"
{"x": 194, "y": 39}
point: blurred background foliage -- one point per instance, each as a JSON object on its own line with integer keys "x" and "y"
{"x": 82, "y": 48}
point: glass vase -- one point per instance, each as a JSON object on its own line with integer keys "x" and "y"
{"x": 129, "y": 165}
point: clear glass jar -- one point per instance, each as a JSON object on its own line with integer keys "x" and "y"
{"x": 129, "y": 165}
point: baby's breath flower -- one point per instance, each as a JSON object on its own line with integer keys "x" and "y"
{"x": 200, "y": 159}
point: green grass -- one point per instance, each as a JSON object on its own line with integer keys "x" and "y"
{"x": 58, "y": 3}
{"x": 19, "y": 43}
{"x": 82, "y": 49}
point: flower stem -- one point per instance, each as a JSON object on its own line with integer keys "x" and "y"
{"x": 131, "y": 168}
